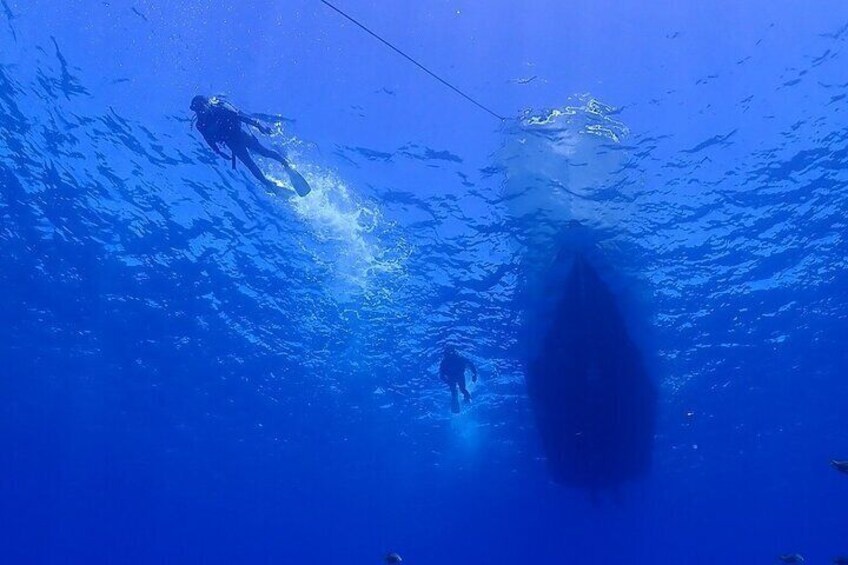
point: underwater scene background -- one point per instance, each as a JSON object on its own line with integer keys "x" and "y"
{"x": 197, "y": 369}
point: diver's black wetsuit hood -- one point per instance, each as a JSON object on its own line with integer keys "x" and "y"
{"x": 198, "y": 103}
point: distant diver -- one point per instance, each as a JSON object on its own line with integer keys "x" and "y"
{"x": 452, "y": 372}
{"x": 841, "y": 466}
{"x": 792, "y": 558}
{"x": 393, "y": 558}
{"x": 219, "y": 122}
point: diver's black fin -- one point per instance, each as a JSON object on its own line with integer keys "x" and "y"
{"x": 298, "y": 182}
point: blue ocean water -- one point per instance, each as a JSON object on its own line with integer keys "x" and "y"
{"x": 196, "y": 370}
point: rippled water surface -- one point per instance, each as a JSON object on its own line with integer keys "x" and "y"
{"x": 198, "y": 370}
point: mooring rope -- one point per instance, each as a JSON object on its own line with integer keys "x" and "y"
{"x": 411, "y": 60}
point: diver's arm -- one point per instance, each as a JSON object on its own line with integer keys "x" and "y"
{"x": 248, "y": 120}
{"x": 254, "y": 122}
{"x": 214, "y": 147}
{"x": 210, "y": 143}
{"x": 473, "y": 368}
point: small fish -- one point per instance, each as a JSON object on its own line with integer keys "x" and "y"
{"x": 526, "y": 80}
{"x": 841, "y": 466}
{"x": 393, "y": 558}
{"x": 841, "y": 560}
{"x": 792, "y": 558}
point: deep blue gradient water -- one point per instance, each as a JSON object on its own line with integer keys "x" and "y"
{"x": 193, "y": 370}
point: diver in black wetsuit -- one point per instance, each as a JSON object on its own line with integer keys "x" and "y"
{"x": 452, "y": 372}
{"x": 220, "y": 123}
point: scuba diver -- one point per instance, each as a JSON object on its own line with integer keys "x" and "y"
{"x": 219, "y": 122}
{"x": 452, "y": 373}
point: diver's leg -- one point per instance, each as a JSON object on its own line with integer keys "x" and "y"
{"x": 465, "y": 393}
{"x": 454, "y": 398}
{"x": 240, "y": 151}
{"x": 253, "y": 144}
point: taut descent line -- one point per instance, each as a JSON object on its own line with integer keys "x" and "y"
{"x": 411, "y": 60}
